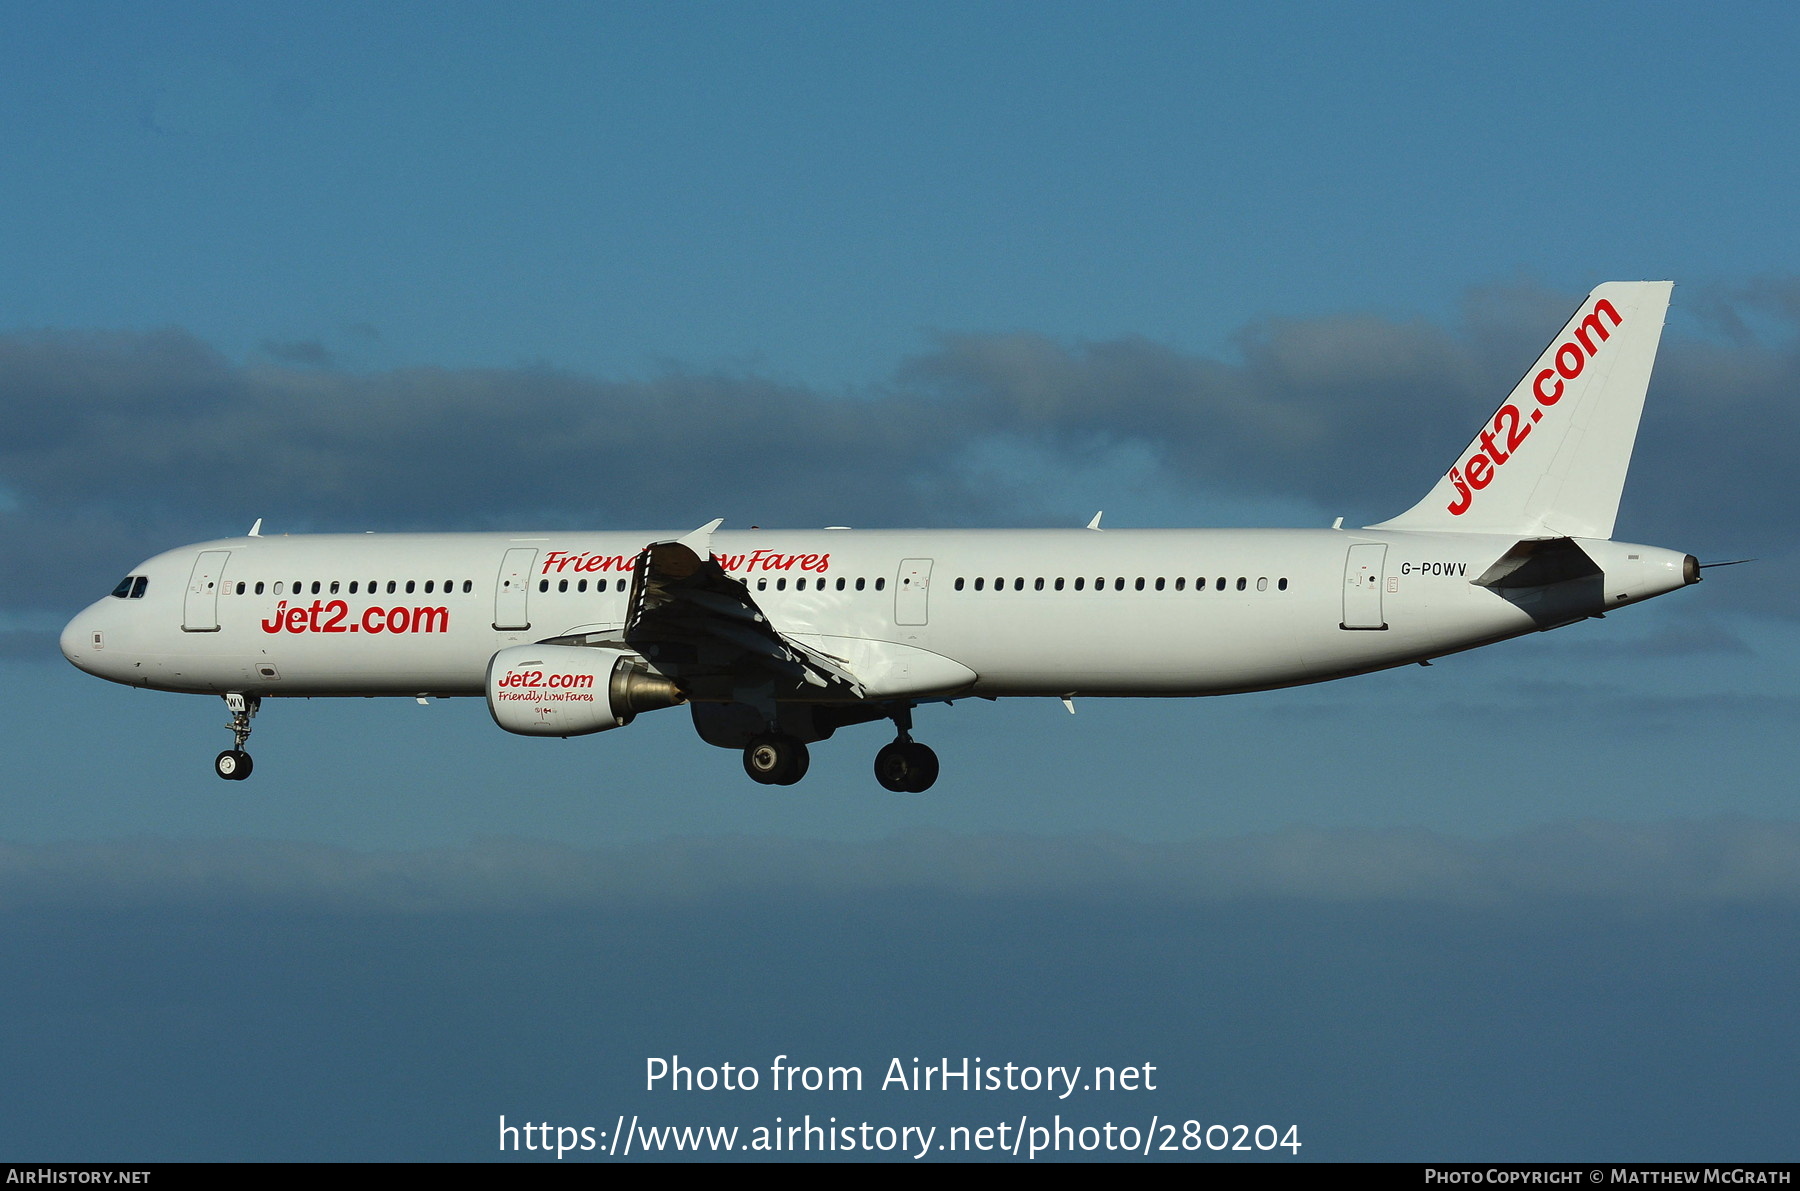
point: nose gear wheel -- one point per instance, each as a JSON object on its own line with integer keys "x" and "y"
{"x": 234, "y": 764}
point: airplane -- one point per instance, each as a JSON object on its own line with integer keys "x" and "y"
{"x": 775, "y": 639}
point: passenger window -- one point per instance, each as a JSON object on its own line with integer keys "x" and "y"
{"x": 1281, "y": 585}
{"x": 859, "y": 584}
{"x": 1140, "y": 583}
{"x": 409, "y": 586}
{"x": 543, "y": 585}
{"x": 840, "y": 585}
{"x": 581, "y": 586}
{"x": 278, "y": 586}
{"x": 1059, "y": 584}
{"x": 1181, "y": 583}
{"x": 881, "y": 583}
{"x": 468, "y": 586}
{"x": 334, "y": 587}
{"x": 1080, "y": 582}
{"x": 1262, "y": 584}
{"x": 1221, "y": 583}
{"x": 1039, "y": 585}
{"x": 781, "y": 585}
{"x": 762, "y": 585}
{"x": 1159, "y": 583}
{"x": 390, "y": 587}
{"x": 562, "y": 585}
{"x": 315, "y": 589}
{"x": 1019, "y": 584}
{"x": 959, "y": 584}
{"x": 979, "y": 583}
{"x": 240, "y": 589}
{"x": 259, "y": 587}
{"x": 1119, "y": 583}
{"x": 428, "y": 585}
{"x": 353, "y": 587}
{"x": 1241, "y": 583}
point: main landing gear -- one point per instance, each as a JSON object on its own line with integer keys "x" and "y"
{"x": 234, "y": 764}
{"x": 905, "y": 766}
{"x": 776, "y": 760}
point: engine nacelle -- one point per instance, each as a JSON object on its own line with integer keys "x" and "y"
{"x": 572, "y": 690}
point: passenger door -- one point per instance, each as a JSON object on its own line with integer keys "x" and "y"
{"x": 200, "y": 610}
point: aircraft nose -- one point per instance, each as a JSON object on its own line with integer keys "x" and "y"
{"x": 82, "y": 640}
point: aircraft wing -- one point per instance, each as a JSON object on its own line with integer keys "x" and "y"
{"x": 702, "y": 627}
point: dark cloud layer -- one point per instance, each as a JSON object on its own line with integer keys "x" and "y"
{"x": 120, "y": 444}
{"x": 1723, "y": 862}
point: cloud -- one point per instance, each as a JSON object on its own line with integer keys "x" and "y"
{"x": 121, "y": 444}
{"x": 305, "y": 352}
{"x": 1629, "y": 866}
{"x": 1302, "y": 413}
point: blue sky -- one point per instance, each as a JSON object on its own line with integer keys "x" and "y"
{"x": 638, "y": 266}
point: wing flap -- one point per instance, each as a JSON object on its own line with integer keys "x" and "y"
{"x": 700, "y": 624}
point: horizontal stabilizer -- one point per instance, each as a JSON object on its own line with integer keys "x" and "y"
{"x": 1538, "y": 563}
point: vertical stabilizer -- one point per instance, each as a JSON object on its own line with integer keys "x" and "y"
{"x": 1551, "y": 461}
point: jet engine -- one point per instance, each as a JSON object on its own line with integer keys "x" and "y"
{"x": 572, "y": 690}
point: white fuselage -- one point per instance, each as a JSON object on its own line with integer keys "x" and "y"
{"x": 1008, "y": 612}
{"x": 775, "y": 639}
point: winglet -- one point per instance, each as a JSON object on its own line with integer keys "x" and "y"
{"x": 256, "y": 530}
{"x": 1095, "y": 523}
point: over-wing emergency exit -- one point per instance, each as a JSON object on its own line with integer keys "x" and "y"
{"x": 774, "y": 640}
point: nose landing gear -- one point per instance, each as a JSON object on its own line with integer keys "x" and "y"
{"x": 234, "y": 764}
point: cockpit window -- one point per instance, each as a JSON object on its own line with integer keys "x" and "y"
{"x": 138, "y": 585}
{"x": 124, "y": 588}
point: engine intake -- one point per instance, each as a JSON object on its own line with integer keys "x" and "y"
{"x": 571, "y": 690}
